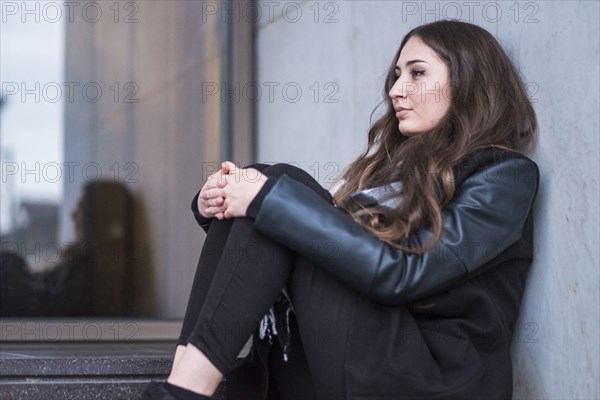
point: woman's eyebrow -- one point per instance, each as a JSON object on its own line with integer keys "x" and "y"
{"x": 412, "y": 62}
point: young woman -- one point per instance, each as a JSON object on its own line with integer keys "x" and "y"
{"x": 407, "y": 282}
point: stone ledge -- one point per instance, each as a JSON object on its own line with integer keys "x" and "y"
{"x": 83, "y": 371}
{"x": 73, "y": 389}
{"x": 88, "y": 359}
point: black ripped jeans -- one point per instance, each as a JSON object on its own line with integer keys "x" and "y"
{"x": 239, "y": 276}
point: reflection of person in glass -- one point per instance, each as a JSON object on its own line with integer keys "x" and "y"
{"x": 92, "y": 275}
{"x": 97, "y": 272}
{"x": 407, "y": 282}
{"x": 18, "y": 297}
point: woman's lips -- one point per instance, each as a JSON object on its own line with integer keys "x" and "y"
{"x": 400, "y": 112}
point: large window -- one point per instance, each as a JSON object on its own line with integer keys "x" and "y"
{"x": 113, "y": 114}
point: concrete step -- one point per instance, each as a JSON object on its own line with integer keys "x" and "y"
{"x": 83, "y": 371}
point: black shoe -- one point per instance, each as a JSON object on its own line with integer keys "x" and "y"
{"x": 157, "y": 391}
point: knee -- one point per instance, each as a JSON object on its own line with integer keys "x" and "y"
{"x": 297, "y": 174}
{"x": 278, "y": 170}
{"x": 258, "y": 166}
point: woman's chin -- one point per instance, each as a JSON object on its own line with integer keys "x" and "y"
{"x": 409, "y": 132}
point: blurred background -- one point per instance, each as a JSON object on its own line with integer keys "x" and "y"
{"x": 114, "y": 112}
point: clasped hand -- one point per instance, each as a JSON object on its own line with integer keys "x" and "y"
{"x": 228, "y": 192}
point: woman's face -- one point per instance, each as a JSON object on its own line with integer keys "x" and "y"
{"x": 421, "y": 94}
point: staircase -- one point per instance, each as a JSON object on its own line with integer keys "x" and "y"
{"x": 82, "y": 371}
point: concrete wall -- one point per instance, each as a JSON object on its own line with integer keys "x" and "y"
{"x": 343, "y": 48}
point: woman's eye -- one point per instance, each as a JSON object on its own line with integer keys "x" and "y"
{"x": 417, "y": 72}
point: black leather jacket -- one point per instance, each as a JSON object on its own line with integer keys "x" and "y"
{"x": 437, "y": 325}
{"x": 495, "y": 194}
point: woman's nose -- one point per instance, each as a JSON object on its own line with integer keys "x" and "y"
{"x": 397, "y": 90}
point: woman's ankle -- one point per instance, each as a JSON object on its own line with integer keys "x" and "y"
{"x": 184, "y": 394}
{"x": 179, "y": 351}
{"x": 195, "y": 372}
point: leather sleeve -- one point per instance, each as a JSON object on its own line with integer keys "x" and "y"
{"x": 485, "y": 217}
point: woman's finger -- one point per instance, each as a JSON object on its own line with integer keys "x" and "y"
{"x": 212, "y": 193}
{"x": 234, "y": 176}
{"x": 217, "y": 201}
{"x": 214, "y": 177}
{"x": 215, "y": 180}
{"x": 228, "y": 167}
{"x": 215, "y": 211}
{"x": 213, "y": 206}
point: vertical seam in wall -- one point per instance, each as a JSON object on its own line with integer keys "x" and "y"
{"x": 91, "y": 269}
{"x": 253, "y": 78}
{"x": 166, "y": 242}
{"x": 129, "y": 140}
{"x": 131, "y": 303}
{"x": 226, "y": 81}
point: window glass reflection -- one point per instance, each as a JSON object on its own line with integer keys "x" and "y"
{"x": 106, "y": 137}
{"x": 31, "y": 147}
{"x": 88, "y": 276}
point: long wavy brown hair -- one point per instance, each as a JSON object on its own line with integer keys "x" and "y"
{"x": 489, "y": 108}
